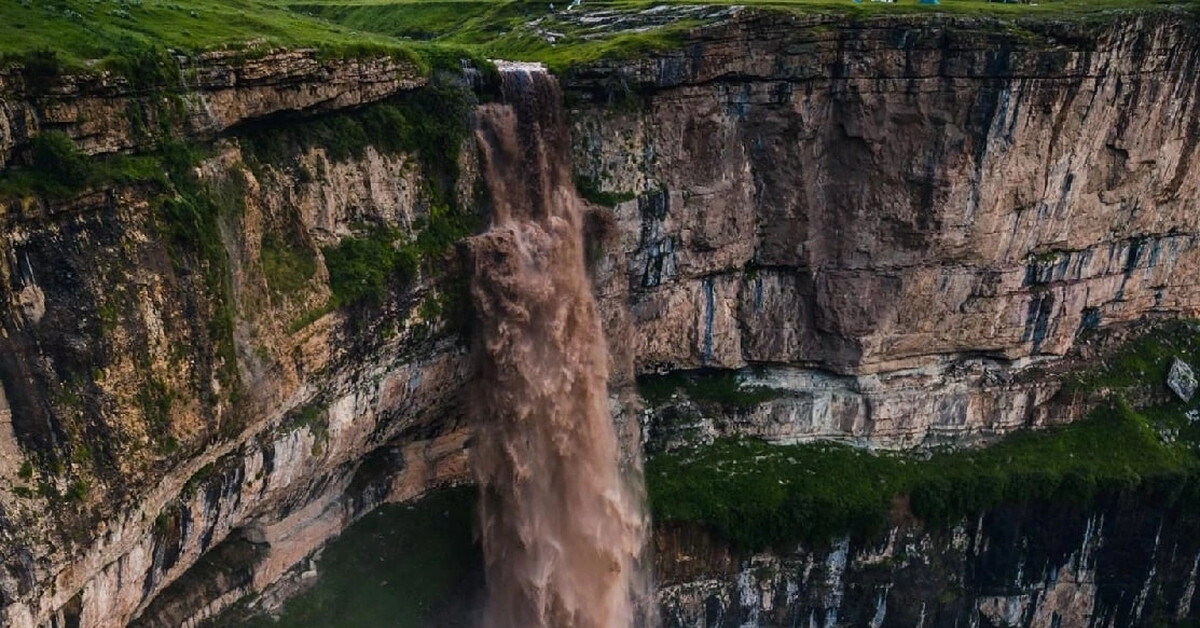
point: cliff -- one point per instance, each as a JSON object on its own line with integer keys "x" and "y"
{"x": 904, "y": 224}
{"x": 907, "y": 211}
{"x": 1116, "y": 564}
{"x": 173, "y": 367}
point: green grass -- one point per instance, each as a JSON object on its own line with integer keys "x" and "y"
{"x": 389, "y": 570}
{"x": 757, "y": 495}
{"x": 497, "y": 29}
{"x": 288, "y": 266}
{"x": 133, "y": 37}
{"x": 509, "y": 29}
{"x": 124, "y": 35}
{"x": 1143, "y": 362}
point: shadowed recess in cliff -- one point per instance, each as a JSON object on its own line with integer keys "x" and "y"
{"x": 562, "y": 524}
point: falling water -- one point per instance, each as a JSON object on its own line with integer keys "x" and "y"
{"x": 562, "y": 525}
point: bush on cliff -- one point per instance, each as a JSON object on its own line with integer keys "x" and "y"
{"x": 361, "y": 268}
{"x": 55, "y": 154}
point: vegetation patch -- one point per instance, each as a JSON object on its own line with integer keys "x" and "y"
{"x": 720, "y": 386}
{"x": 403, "y": 565}
{"x": 198, "y": 480}
{"x": 1143, "y": 362}
{"x": 589, "y": 188}
{"x": 57, "y": 169}
{"x": 311, "y": 417}
{"x": 288, "y": 267}
{"x": 190, "y": 213}
{"x": 757, "y": 495}
{"x": 361, "y": 268}
{"x": 133, "y": 37}
{"x": 311, "y": 316}
{"x": 431, "y": 123}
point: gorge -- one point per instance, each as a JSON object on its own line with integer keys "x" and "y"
{"x": 859, "y": 239}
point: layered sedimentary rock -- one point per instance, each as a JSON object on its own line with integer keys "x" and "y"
{"x": 105, "y": 113}
{"x": 1122, "y": 564}
{"x": 115, "y": 362}
{"x": 897, "y": 218}
{"x": 897, "y": 196}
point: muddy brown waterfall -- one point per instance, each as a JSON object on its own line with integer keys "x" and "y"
{"x": 562, "y": 525}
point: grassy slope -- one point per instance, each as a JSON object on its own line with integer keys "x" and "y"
{"x": 757, "y": 495}
{"x": 496, "y": 29}
{"x": 85, "y": 33}
{"x": 503, "y": 29}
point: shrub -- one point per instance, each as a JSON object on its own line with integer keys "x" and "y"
{"x": 55, "y": 154}
{"x": 78, "y": 490}
{"x": 39, "y": 68}
{"x": 361, "y": 268}
{"x": 143, "y": 65}
{"x": 287, "y": 267}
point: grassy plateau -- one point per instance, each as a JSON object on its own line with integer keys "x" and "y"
{"x": 128, "y": 35}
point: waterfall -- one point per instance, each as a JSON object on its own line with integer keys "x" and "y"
{"x": 562, "y": 525}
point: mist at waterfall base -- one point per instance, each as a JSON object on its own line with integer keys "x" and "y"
{"x": 561, "y": 522}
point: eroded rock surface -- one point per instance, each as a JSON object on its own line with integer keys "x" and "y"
{"x": 1038, "y": 566}
{"x": 897, "y": 218}
{"x": 896, "y": 196}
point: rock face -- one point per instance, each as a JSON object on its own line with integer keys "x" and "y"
{"x": 873, "y": 198}
{"x": 953, "y": 403}
{"x": 899, "y": 220}
{"x": 1044, "y": 565}
{"x": 216, "y": 91}
{"x": 146, "y": 452}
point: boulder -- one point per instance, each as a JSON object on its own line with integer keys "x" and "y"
{"x": 1181, "y": 380}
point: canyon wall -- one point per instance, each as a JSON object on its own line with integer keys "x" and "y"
{"x": 905, "y": 222}
{"x": 1044, "y": 565}
{"x": 162, "y": 400}
{"x": 913, "y": 211}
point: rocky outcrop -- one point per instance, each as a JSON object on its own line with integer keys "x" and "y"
{"x": 105, "y": 113}
{"x": 1181, "y": 380}
{"x": 957, "y": 404}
